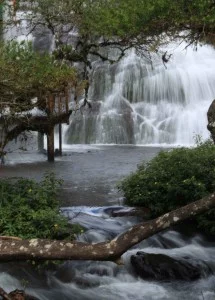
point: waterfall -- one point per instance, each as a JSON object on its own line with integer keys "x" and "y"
{"x": 135, "y": 102}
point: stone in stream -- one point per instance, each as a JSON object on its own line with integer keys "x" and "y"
{"x": 211, "y": 120}
{"x": 67, "y": 274}
{"x": 129, "y": 211}
{"x": 20, "y": 295}
{"x": 162, "y": 267}
{"x": 87, "y": 275}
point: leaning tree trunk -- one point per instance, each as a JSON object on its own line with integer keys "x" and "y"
{"x": 112, "y": 250}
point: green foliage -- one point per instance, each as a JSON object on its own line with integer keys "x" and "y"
{"x": 173, "y": 179}
{"x": 132, "y": 21}
{"x": 148, "y": 20}
{"x": 29, "y": 80}
{"x": 26, "y": 74}
{"x": 30, "y": 209}
{"x": 124, "y": 18}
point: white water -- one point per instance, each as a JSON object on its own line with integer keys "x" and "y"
{"x": 138, "y": 104}
{"x": 162, "y": 106}
{"x": 87, "y": 280}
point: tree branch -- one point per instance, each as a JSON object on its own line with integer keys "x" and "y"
{"x": 38, "y": 249}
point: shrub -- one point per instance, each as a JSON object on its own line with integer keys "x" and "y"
{"x": 173, "y": 179}
{"x": 30, "y": 209}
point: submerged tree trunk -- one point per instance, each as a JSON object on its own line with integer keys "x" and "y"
{"x": 38, "y": 249}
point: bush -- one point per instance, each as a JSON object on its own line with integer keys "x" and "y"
{"x": 30, "y": 209}
{"x": 173, "y": 179}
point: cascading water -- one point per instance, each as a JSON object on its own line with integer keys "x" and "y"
{"x": 133, "y": 104}
{"x": 137, "y": 103}
{"x": 88, "y": 280}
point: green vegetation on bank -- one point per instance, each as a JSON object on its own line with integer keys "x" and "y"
{"x": 30, "y": 209}
{"x": 173, "y": 179}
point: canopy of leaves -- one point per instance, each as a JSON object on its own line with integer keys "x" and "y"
{"x": 132, "y": 18}
{"x": 133, "y": 22}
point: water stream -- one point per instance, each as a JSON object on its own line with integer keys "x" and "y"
{"x": 134, "y": 103}
{"x": 90, "y": 174}
{"x": 107, "y": 281}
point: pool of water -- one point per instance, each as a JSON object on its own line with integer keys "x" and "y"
{"x": 90, "y": 173}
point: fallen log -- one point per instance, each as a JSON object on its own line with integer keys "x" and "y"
{"x": 38, "y": 249}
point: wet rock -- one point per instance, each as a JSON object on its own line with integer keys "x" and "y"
{"x": 43, "y": 39}
{"x": 105, "y": 269}
{"x": 86, "y": 282}
{"x": 65, "y": 274}
{"x": 211, "y": 120}
{"x": 20, "y": 295}
{"x": 162, "y": 267}
{"x": 128, "y": 212}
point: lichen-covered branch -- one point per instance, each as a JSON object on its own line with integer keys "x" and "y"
{"x": 38, "y": 249}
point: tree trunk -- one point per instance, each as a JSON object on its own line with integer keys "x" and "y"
{"x": 50, "y": 144}
{"x": 38, "y": 249}
{"x": 60, "y": 139}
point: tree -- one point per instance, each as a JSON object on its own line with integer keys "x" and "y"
{"x": 29, "y": 81}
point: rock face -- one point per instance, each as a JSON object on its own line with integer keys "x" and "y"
{"x": 162, "y": 267}
{"x": 211, "y": 120}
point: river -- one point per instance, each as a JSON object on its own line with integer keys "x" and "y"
{"x": 89, "y": 197}
{"x": 134, "y": 103}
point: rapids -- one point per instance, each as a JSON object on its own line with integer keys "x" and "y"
{"x": 134, "y": 103}
{"x": 90, "y": 174}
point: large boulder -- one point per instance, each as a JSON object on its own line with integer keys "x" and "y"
{"x": 162, "y": 267}
{"x": 211, "y": 120}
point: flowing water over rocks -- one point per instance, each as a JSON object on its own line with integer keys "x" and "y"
{"x": 108, "y": 281}
{"x": 134, "y": 104}
{"x": 90, "y": 174}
